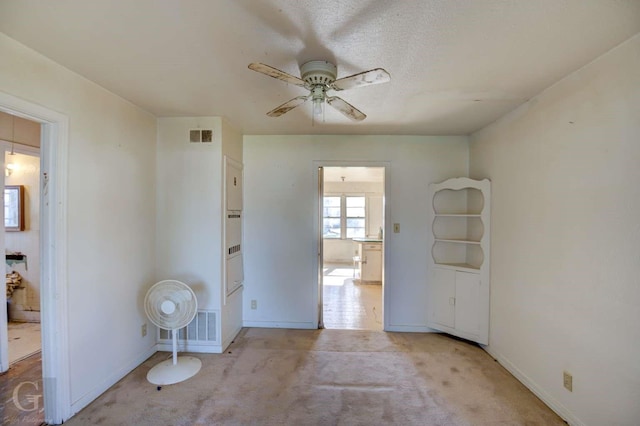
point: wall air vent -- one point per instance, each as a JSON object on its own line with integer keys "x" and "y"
{"x": 201, "y": 136}
{"x": 202, "y": 329}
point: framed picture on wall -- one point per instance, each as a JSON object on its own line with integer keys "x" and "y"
{"x": 14, "y": 208}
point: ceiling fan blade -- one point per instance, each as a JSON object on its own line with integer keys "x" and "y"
{"x": 276, "y": 73}
{"x": 346, "y": 108}
{"x": 287, "y": 106}
{"x": 374, "y": 76}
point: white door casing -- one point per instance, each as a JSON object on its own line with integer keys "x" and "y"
{"x": 53, "y": 254}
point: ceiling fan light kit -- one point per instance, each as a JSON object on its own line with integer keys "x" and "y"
{"x": 319, "y": 77}
{"x": 318, "y": 72}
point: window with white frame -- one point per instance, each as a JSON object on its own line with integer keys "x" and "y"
{"x": 331, "y": 217}
{"x": 344, "y": 217}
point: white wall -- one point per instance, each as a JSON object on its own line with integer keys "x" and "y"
{"x": 565, "y": 237}
{"x": 189, "y": 214}
{"x": 111, "y": 216}
{"x": 279, "y": 235}
{"x": 189, "y": 207}
{"x": 25, "y": 303}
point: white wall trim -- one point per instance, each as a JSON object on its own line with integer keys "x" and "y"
{"x": 53, "y": 253}
{"x": 4, "y": 327}
{"x": 213, "y": 347}
{"x": 232, "y": 336}
{"x": 551, "y": 402}
{"x": 281, "y": 324}
{"x": 409, "y": 328}
{"x": 98, "y": 390}
{"x": 195, "y": 347}
{"x": 20, "y": 148}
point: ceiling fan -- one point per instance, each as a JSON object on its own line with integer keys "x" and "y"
{"x": 319, "y": 77}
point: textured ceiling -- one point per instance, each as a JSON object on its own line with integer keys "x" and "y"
{"x": 455, "y": 65}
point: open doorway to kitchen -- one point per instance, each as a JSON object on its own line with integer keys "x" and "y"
{"x": 352, "y": 247}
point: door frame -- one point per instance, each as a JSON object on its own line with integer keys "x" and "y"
{"x": 54, "y": 140}
{"x": 317, "y": 230}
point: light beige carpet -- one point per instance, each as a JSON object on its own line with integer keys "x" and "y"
{"x": 328, "y": 377}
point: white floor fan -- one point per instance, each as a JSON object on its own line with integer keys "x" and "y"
{"x": 172, "y": 305}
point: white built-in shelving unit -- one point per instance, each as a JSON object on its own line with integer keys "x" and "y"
{"x": 458, "y": 286}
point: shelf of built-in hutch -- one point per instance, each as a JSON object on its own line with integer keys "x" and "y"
{"x": 459, "y": 257}
{"x": 458, "y": 226}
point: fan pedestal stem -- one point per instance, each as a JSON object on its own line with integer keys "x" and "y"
{"x": 175, "y": 346}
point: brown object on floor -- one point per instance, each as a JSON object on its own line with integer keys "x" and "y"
{"x": 21, "y": 393}
{"x": 328, "y": 377}
{"x": 14, "y": 280}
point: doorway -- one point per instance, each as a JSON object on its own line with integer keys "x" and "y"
{"x": 22, "y": 247}
{"x": 54, "y": 391}
{"x": 352, "y": 247}
{"x": 21, "y": 158}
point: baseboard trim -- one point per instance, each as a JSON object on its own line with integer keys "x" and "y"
{"x": 409, "y": 328}
{"x": 551, "y": 402}
{"x": 228, "y": 340}
{"x": 280, "y": 324}
{"x": 193, "y": 348}
{"x": 90, "y": 396}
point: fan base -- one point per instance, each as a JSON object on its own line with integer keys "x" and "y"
{"x": 168, "y": 373}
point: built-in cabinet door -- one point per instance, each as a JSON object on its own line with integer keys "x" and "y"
{"x": 372, "y": 267}
{"x": 442, "y": 300}
{"x": 454, "y": 302}
{"x": 233, "y": 181}
{"x": 467, "y": 302}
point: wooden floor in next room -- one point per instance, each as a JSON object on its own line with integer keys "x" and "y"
{"x": 347, "y": 303}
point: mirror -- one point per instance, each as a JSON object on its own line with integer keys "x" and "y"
{"x": 14, "y": 208}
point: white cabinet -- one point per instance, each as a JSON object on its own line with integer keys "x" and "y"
{"x": 442, "y": 297}
{"x": 467, "y": 303}
{"x": 233, "y": 184}
{"x": 370, "y": 261}
{"x": 458, "y": 288}
{"x": 233, "y": 267}
{"x": 454, "y": 301}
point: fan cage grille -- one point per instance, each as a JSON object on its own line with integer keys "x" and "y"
{"x": 177, "y": 293}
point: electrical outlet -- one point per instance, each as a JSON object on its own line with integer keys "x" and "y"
{"x": 254, "y": 304}
{"x": 143, "y": 330}
{"x": 396, "y": 228}
{"x": 568, "y": 381}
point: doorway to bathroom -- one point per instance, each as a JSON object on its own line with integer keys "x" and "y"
{"x": 21, "y": 145}
{"x": 20, "y": 140}
{"x": 51, "y": 366}
{"x": 352, "y": 224}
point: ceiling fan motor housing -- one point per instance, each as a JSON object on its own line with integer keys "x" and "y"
{"x": 318, "y": 72}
